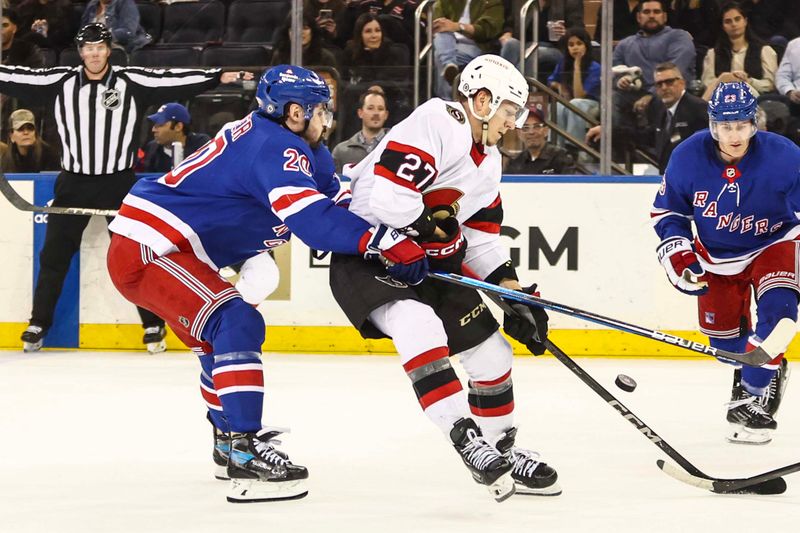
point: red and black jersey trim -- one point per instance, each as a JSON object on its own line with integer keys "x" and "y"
{"x": 489, "y": 219}
{"x": 407, "y": 166}
{"x": 492, "y": 405}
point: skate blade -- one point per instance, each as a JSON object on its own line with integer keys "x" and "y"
{"x": 255, "y": 491}
{"x": 552, "y": 490}
{"x": 156, "y": 347}
{"x": 754, "y": 437}
{"x": 503, "y": 488}
{"x": 221, "y": 472}
{"x": 29, "y": 347}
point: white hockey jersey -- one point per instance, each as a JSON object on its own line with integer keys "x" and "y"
{"x": 430, "y": 159}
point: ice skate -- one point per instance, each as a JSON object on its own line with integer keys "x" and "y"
{"x": 154, "y": 339}
{"x": 487, "y": 466}
{"x": 771, "y": 401}
{"x": 260, "y": 473}
{"x": 222, "y": 449}
{"x": 531, "y": 475}
{"x": 33, "y": 338}
{"x": 750, "y": 423}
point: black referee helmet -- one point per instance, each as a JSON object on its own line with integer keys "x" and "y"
{"x": 93, "y": 33}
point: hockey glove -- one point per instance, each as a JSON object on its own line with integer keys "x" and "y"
{"x": 404, "y": 259}
{"x": 447, "y": 253}
{"x": 683, "y": 268}
{"x": 527, "y": 324}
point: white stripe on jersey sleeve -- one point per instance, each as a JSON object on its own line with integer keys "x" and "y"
{"x": 291, "y": 200}
{"x": 29, "y": 76}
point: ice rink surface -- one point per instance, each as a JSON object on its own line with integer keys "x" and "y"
{"x": 118, "y": 442}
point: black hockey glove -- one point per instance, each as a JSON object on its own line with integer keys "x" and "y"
{"x": 446, "y": 254}
{"x": 527, "y": 324}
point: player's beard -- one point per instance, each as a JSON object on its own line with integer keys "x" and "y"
{"x": 315, "y": 143}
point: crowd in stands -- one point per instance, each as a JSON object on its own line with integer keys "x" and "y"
{"x": 664, "y": 52}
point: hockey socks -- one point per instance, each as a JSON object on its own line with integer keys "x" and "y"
{"x": 492, "y": 405}
{"x": 437, "y": 387}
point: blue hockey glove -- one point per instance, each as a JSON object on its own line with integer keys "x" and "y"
{"x": 527, "y": 324}
{"x": 683, "y": 268}
{"x": 404, "y": 259}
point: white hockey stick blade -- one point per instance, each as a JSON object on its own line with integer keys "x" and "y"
{"x": 22, "y": 204}
{"x": 764, "y": 484}
{"x": 777, "y": 341}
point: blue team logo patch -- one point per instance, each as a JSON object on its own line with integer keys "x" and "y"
{"x": 663, "y": 189}
{"x": 710, "y": 317}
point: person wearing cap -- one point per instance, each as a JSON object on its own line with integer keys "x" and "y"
{"x": 26, "y": 152}
{"x": 96, "y": 107}
{"x": 170, "y": 125}
{"x": 540, "y": 156}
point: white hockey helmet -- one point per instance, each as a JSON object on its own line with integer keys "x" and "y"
{"x": 499, "y": 77}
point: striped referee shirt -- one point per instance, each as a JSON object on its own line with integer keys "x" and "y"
{"x": 98, "y": 120}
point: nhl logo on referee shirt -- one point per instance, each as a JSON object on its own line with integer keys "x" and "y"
{"x": 110, "y": 99}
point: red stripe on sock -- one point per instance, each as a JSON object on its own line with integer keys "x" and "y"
{"x": 425, "y": 358}
{"x": 492, "y": 382}
{"x": 439, "y": 394}
{"x": 210, "y": 397}
{"x": 503, "y": 410}
{"x": 239, "y": 378}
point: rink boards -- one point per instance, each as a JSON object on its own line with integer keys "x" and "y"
{"x": 587, "y": 241}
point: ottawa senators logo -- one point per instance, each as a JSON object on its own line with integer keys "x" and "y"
{"x": 455, "y": 113}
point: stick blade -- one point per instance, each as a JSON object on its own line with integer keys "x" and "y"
{"x": 724, "y": 486}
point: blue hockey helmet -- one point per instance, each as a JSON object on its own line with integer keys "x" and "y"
{"x": 285, "y": 84}
{"x": 732, "y": 102}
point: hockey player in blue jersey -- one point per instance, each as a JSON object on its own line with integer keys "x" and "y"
{"x": 741, "y": 188}
{"x": 258, "y": 181}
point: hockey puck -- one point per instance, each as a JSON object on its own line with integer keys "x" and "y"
{"x": 625, "y": 383}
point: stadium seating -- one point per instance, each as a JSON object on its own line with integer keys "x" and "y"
{"x": 193, "y": 22}
{"x": 252, "y": 21}
{"x": 150, "y": 18}
{"x": 167, "y": 56}
{"x": 254, "y": 55}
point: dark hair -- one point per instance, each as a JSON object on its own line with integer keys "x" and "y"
{"x": 668, "y": 65}
{"x": 11, "y": 15}
{"x": 723, "y": 51}
{"x": 363, "y": 98}
{"x": 283, "y": 44}
{"x": 568, "y": 65}
{"x": 355, "y": 47}
{"x": 664, "y": 5}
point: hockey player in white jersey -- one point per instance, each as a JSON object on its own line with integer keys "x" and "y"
{"x": 436, "y": 176}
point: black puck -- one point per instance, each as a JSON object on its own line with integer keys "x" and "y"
{"x": 625, "y": 383}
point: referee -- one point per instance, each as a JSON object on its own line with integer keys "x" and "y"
{"x": 97, "y": 109}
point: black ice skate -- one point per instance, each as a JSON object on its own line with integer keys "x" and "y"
{"x": 260, "y": 473}
{"x": 32, "y": 338}
{"x": 222, "y": 450}
{"x": 154, "y": 339}
{"x": 771, "y": 401}
{"x": 750, "y": 423}
{"x": 487, "y": 466}
{"x": 531, "y": 475}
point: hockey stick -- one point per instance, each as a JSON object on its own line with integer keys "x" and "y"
{"x": 772, "y": 346}
{"x": 23, "y": 205}
{"x": 764, "y": 484}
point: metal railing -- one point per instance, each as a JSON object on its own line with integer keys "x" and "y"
{"x": 526, "y": 51}
{"x": 420, "y": 52}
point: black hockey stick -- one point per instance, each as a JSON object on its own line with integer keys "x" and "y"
{"x": 23, "y": 205}
{"x": 764, "y": 484}
{"x": 774, "y": 345}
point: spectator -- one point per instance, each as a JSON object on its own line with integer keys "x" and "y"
{"x": 539, "y": 156}
{"x": 315, "y": 52}
{"x": 555, "y": 16}
{"x": 25, "y": 151}
{"x": 122, "y": 18}
{"x": 327, "y": 15}
{"x": 625, "y": 22}
{"x": 170, "y": 125}
{"x": 373, "y": 112}
{"x": 694, "y": 16}
{"x": 673, "y": 114}
{"x": 396, "y": 16}
{"x": 462, "y": 34}
{"x": 16, "y": 51}
{"x": 46, "y": 23}
{"x": 577, "y": 79}
{"x": 787, "y": 79}
{"x": 739, "y": 55}
{"x": 370, "y": 55}
{"x": 654, "y": 43}
{"x": 774, "y": 21}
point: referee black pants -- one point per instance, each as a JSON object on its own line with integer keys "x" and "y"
{"x": 64, "y": 233}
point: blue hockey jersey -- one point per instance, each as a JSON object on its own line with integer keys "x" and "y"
{"x": 245, "y": 191}
{"x": 737, "y": 210}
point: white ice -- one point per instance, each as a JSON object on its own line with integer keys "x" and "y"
{"x": 119, "y": 442}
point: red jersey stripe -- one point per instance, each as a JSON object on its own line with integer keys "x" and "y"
{"x": 384, "y": 172}
{"x": 174, "y": 236}
{"x": 239, "y": 378}
{"x": 287, "y": 200}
